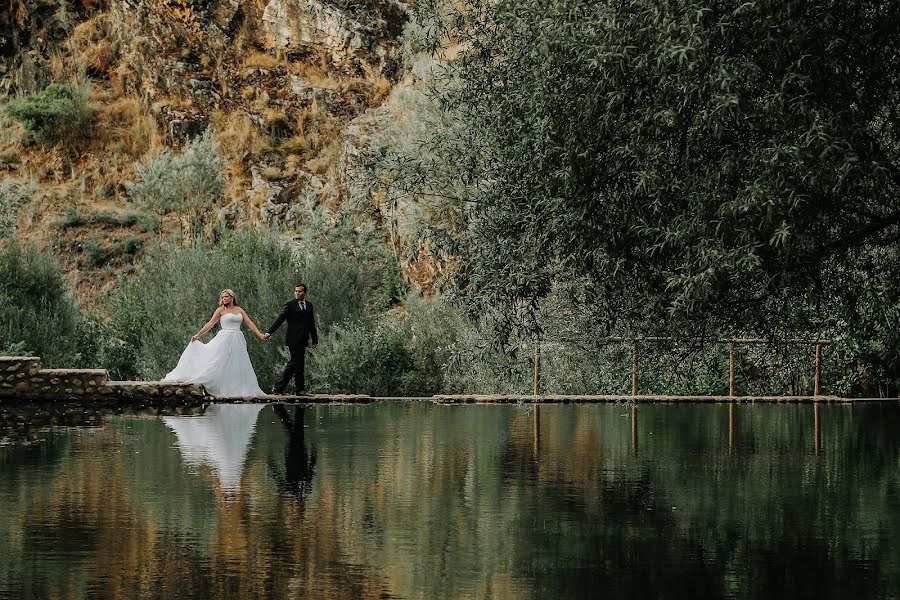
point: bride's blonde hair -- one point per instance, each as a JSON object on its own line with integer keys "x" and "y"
{"x": 230, "y": 293}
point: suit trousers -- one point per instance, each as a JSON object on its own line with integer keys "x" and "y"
{"x": 294, "y": 369}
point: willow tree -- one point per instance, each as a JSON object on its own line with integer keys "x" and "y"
{"x": 719, "y": 163}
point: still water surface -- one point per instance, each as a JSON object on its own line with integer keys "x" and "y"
{"x": 397, "y": 500}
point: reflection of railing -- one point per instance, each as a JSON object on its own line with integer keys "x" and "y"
{"x": 817, "y": 428}
{"x": 732, "y": 342}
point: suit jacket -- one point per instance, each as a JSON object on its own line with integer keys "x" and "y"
{"x": 301, "y": 324}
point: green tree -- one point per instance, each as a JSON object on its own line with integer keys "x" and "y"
{"x": 189, "y": 182}
{"x": 695, "y": 166}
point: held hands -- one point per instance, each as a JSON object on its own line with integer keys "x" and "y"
{"x": 265, "y": 337}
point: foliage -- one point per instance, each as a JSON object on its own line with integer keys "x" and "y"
{"x": 132, "y": 245}
{"x": 410, "y": 188}
{"x": 188, "y": 182}
{"x": 697, "y": 168}
{"x": 393, "y": 288}
{"x": 95, "y": 254}
{"x": 366, "y": 356}
{"x": 404, "y": 352}
{"x": 72, "y": 218}
{"x": 54, "y": 113}
{"x": 39, "y": 316}
{"x": 690, "y": 149}
{"x": 12, "y": 197}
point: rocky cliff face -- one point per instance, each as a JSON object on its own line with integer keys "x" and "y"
{"x": 278, "y": 82}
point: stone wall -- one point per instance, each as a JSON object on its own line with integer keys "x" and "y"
{"x": 23, "y": 379}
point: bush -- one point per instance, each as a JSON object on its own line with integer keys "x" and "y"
{"x": 109, "y": 218}
{"x": 96, "y": 256}
{"x": 404, "y": 352}
{"x": 12, "y": 197}
{"x": 53, "y": 114}
{"x": 39, "y": 316}
{"x": 72, "y": 218}
{"x": 132, "y": 245}
{"x": 189, "y": 182}
{"x": 370, "y": 357}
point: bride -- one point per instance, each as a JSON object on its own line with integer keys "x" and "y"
{"x": 222, "y": 366}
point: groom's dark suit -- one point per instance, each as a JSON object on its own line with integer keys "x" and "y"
{"x": 301, "y": 326}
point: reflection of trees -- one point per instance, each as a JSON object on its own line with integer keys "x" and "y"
{"x": 770, "y": 520}
{"x": 428, "y": 501}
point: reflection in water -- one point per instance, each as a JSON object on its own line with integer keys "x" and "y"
{"x": 295, "y": 478}
{"x": 634, "y": 430}
{"x": 817, "y": 413}
{"x": 219, "y": 438}
{"x": 410, "y": 500}
{"x": 731, "y": 427}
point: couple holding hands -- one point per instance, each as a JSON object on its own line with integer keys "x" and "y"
{"x": 223, "y": 365}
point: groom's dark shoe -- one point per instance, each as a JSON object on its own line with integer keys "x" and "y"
{"x": 277, "y": 392}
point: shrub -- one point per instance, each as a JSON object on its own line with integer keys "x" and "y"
{"x": 39, "y": 316}
{"x": 96, "y": 255}
{"x": 12, "y": 197}
{"x": 132, "y": 245}
{"x": 54, "y": 113}
{"x": 72, "y": 218}
{"x": 189, "y": 182}
{"x": 405, "y": 352}
{"x": 369, "y": 357}
{"x": 109, "y": 218}
{"x": 148, "y": 222}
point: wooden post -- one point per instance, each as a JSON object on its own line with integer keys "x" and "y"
{"x": 818, "y": 390}
{"x": 731, "y": 371}
{"x": 537, "y": 369}
{"x": 634, "y": 364}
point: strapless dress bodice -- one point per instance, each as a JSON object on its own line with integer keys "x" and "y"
{"x": 231, "y": 321}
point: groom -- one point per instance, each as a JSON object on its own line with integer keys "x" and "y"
{"x": 301, "y": 325}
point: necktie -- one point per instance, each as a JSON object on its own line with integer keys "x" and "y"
{"x": 302, "y": 305}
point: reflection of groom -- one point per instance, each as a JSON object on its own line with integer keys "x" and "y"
{"x": 301, "y": 326}
{"x": 299, "y": 464}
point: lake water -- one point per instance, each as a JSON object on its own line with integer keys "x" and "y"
{"x": 414, "y": 500}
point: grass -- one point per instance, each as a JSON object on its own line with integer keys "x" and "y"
{"x": 260, "y": 60}
{"x": 126, "y": 125}
{"x": 95, "y": 255}
{"x": 72, "y": 218}
{"x": 75, "y": 218}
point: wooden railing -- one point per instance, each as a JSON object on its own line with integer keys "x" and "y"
{"x": 732, "y": 342}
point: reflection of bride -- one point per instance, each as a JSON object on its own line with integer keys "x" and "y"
{"x": 223, "y": 365}
{"x": 219, "y": 438}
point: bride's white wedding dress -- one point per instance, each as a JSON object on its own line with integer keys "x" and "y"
{"x": 222, "y": 366}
